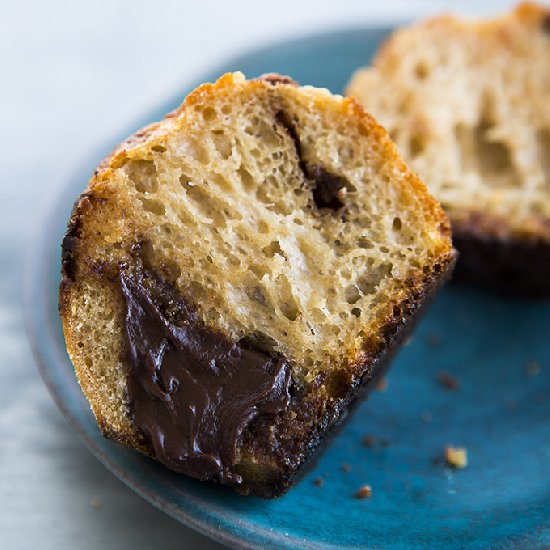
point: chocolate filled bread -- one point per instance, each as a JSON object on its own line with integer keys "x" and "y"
{"x": 237, "y": 274}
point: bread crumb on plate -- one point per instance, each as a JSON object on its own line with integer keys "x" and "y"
{"x": 447, "y": 381}
{"x": 457, "y": 457}
{"x": 365, "y": 491}
{"x": 533, "y": 368}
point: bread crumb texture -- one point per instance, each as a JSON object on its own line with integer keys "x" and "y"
{"x": 283, "y": 214}
{"x": 467, "y": 105}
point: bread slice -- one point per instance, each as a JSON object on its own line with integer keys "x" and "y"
{"x": 467, "y": 105}
{"x": 233, "y": 274}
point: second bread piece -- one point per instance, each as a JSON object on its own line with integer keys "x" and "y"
{"x": 467, "y": 105}
{"x": 236, "y": 272}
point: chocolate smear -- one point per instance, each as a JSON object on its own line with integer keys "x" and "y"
{"x": 193, "y": 392}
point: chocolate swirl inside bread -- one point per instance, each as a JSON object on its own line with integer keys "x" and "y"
{"x": 193, "y": 391}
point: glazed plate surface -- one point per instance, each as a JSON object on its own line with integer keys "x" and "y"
{"x": 497, "y": 350}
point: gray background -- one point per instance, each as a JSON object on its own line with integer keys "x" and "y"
{"x": 74, "y": 74}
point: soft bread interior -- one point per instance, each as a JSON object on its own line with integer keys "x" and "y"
{"x": 467, "y": 105}
{"x": 229, "y": 200}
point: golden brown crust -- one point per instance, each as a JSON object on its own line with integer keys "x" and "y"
{"x": 525, "y": 12}
{"x": 102, "y": 217}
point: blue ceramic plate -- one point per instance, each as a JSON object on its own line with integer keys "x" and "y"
{"x": 500, "y": 412}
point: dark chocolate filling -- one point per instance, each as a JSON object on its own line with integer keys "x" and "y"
{"x": 192, "y": 390}
{"x": 328, "y": 189}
